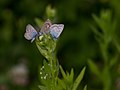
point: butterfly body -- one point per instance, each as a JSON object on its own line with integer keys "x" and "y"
{"x": 46, "y": 26}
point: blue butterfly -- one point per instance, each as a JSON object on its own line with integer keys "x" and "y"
{"x": 55, "y": 30}
{"x": 30, "y": 33}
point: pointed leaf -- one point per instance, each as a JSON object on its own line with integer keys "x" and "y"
{"x": 85, "y": 88}
{"x": 79, "y": 78}
{"x": 67, "y": 74}
{"x": 95, "y": 30}
{"x": 63, "y": 73}
{"x": 106, "y": 78}
{"x": 71, "y": 75}
{"x": 62, "y": 83}
{"x": 113, "y": 61}
{"x": 42, "y": 87}
{"x": 94, "y": 68}
{"x": 97, "y": 20}
{"x": 101, "y": 23}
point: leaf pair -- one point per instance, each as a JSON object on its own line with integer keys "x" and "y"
{"x": 68, "y": 83}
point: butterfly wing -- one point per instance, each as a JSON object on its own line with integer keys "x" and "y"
{"x": 46, "y": 26}
{"x": 30, "y": 33}
{"x": 56, "y": 30}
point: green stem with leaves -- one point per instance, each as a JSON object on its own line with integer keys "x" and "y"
{"x": 54, "y": 69}
{"x": 105, "y": 37}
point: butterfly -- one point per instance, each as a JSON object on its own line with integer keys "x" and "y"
{"x": 54, "y": 29}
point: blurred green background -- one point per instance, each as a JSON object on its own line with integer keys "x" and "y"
{"x": 20, "y": 59}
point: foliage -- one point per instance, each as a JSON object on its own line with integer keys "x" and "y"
{"x": 77, "y": 45}
{"x": 50, "y": 69}
{"x": 107, "y": 25}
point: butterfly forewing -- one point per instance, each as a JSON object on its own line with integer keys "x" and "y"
{"x": 30, "y": 32}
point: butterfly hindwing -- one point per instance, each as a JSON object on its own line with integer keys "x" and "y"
{"x": 56, "y": 30}
{"x": 30, "y": 32}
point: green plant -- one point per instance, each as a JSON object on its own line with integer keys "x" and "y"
{"x": 49, "y": 73}
{"x": 106, "y": 39}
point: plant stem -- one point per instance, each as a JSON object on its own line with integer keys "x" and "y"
{"x": 54, "y": 70}
{"x": 106, "y": 69}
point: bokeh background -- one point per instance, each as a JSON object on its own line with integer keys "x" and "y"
{"x": 20, "y": 59}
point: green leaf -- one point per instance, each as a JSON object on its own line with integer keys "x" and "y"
{"x": 63, "y": 73}
{"x": 79, "y": 78}
{"x": 71, "y": 76}
{"x": 116, "y": 42}
{"x": 62, "y": 83}
{"x": 113, "y": 61}
{"x": 42, "y": 87}
{"x": 85, "y": 88}
{"x": 106, "y": 24}
{"x": 94, "y": 29}
{"x": 67, "y": 74}
{"x": 97, "y": 20}
{"x": 106, "y": 78}
{"x": 50, "y": 12}
{"x": 94, "y": 68}
{"x": 101, "y": 23}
